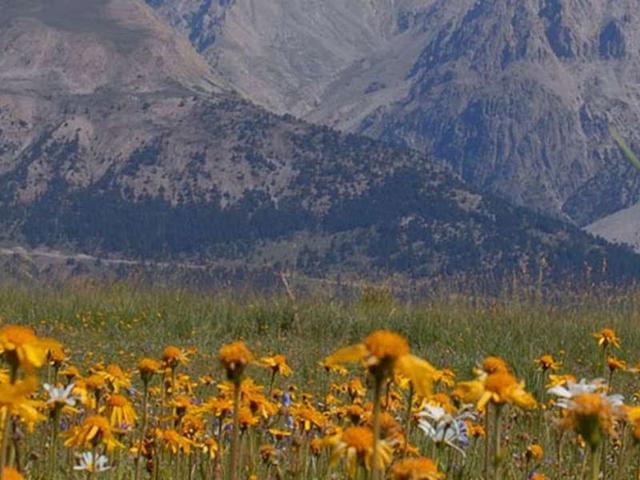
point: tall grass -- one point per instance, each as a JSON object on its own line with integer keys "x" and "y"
{"x": 455, "y": 330}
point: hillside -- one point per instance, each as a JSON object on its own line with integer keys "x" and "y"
{"x": 117, "y": 139}
{"x": 516, "y": 97}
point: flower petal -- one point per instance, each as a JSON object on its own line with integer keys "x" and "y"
{"x": 351, "y": 354}
{"x": 421, "y": 373}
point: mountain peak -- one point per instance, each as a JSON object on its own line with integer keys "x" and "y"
{"x": 81, "y": 46}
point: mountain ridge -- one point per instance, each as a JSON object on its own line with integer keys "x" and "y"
{"x": 166, "y": 163}
{"x": 516, "y": 97}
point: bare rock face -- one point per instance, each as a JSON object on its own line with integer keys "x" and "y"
{"x": 286, "y": 54}
{"x": 516, "y": 96}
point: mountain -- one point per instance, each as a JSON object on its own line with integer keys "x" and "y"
{"x": 517, "y": 97}
{"x": 118, "y": 140}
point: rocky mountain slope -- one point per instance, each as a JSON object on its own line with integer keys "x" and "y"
{"x": 516, "y": 96}
{"x": 117, "y": 139}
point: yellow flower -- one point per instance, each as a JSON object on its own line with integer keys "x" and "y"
{"x": 181, "y": 403}
{"x": 502, "y": 387}
{"x": 447, "y": 377}
{"x": 494, "y": 365}
{"x": 592, "y": 416}
{"x": 355, "y": 444}
{"x": 206, "y": 380}
{"x": 384, "y": 352}
{"x": 468, "y": 392}
{"x": 547, "y": 362}
{"x": 355, "y": 413}
{"x": 316, "y": 446}
{"x": 633, "y": 416}
{"x": 210, "y": 448}
{"x": 92, "y": 432}
{"x": 20, "y": 347}
{"x": 535, "y": 452}
{"x": 173, "y": 356}
{"x": 340, "y": 370}
{"x": 70, "y": 372}
{"x": 251, "y": 395}
{"x": 356, "y": 389}
{"x": 235, "y": 357}
{"x": 268, "y": 453}
{"x": 147, "y": 368}
{"x": 555, "y": 380}
{"x": 390, "y": 430}
{"x": 174, "y": 442}
{"x": 475, "y": 430}
{"x": 538, "y": 476}
{"x": 418, "y": 468}
{"x": 279, "y": 434}
{"x": 10, "y": 473}
{"x": 442, "y": 400}
{"x": 55, "y": 353}
{"x": 120, "y": 412}
{"x": 116, "y": 377}
{"x": 15, "y": 398}
{"x": 614, "y": 364}
{"x": 277, "y": 364}
{"x": 192, "y": 426}
{"x": 307, "y": 417}
{"x": 247, "y": 418}
{"x": 607, "y": 337}
{"x": 95, "y": 382}
{"x": 219, "y": 407}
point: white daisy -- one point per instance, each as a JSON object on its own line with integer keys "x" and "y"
{"x": 445, "y": 428}
{"x": 60, "y": 395}
{"x": 88, "y": 463}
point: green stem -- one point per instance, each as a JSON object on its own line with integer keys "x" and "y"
{"x": 376, "y": 426}
{"x": 143, "y": 429}
{"x": 496, "y": 445}
{"x": 487, "y": 443}
{"x": 407, "y": 420}
{"x": 271, "y": 382}
{"x": 7, "y": 424}
{"x": 623, "y": 457}
{"x": 54, "y": 436}
{"x": 595, "y": 464}
{"x": 235, "y": 438}
{"x": 92, "y": 472}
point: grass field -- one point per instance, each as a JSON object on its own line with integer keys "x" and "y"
{"x": 121, "y": 323}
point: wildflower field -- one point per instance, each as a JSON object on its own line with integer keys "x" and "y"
{"x": 122, "y": 382}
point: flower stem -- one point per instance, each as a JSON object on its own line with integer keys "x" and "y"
{"x": 235, "y": 434}
{"x": 595, "y": 464}
{"x": 143, "y": 429}
{"x": 487, "y": 443}
{"x": 7, "y": 424}
{"x": 376, "y": 426}
{"x": 55, "y": 424}
{"x": 407, "y": 420}
{"x": 496, "y": 445}
{"x": 271, "y": 382}
{"x": 94, "y": 454}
